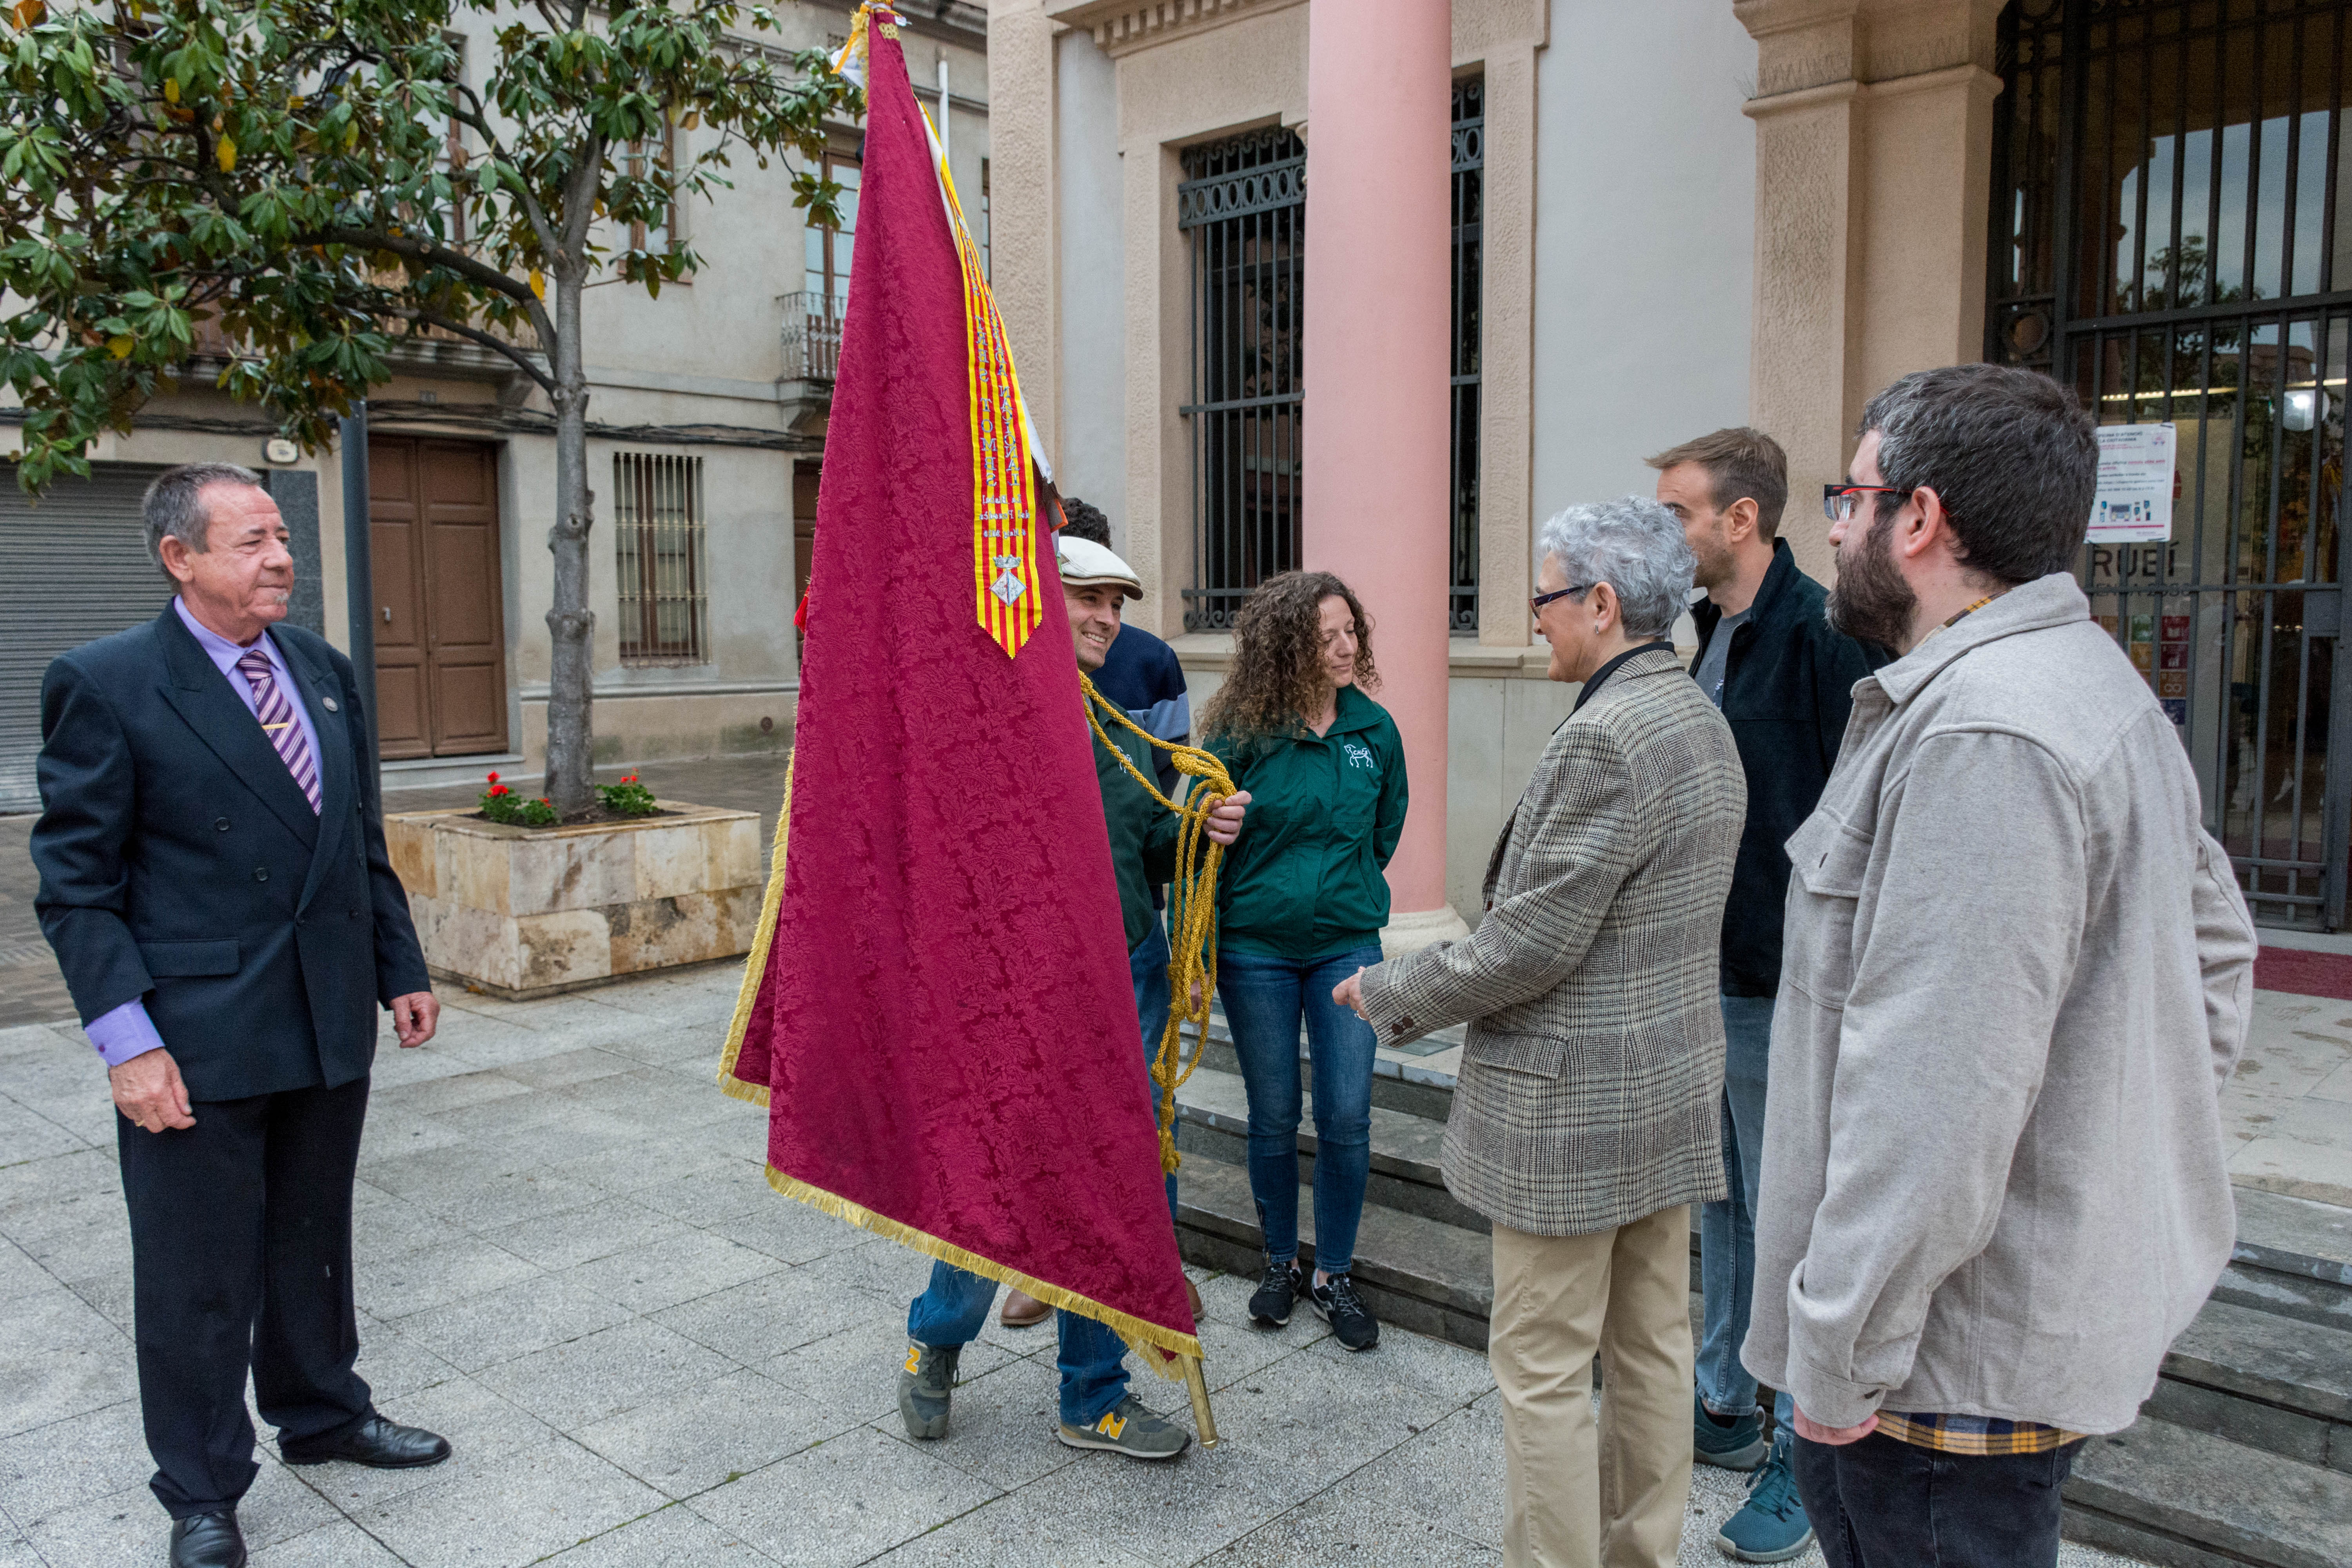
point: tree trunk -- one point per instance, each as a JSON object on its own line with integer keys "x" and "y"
{"x": 570, "y": 737}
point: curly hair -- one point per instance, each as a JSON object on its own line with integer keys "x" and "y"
{"x": 1277, "y": 680}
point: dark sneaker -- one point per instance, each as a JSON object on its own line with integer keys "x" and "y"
{"x": 1735, "y": 1445}
{"x": 1771, "y": 1526}
{"x": 1352, "y": 1324}
{"x": 1128, "y": 1428}
{"x": 1270, "y": 1306}
{"x": 924, "y": 1384}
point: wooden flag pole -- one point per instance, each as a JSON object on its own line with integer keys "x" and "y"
{"x": 1202, "y": 1418}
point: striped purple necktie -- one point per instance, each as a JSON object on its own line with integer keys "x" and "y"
{"x": 276, "y": 712}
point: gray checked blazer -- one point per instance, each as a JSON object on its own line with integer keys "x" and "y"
{"x": 1592, "y": 1070}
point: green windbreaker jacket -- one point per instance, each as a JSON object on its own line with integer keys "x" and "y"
{"x": 1303, "y": 880}
{"x": 1142, "y": 831}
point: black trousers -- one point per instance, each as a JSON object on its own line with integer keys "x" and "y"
{"x": 1884, "y": 1504}
{"x": 241, "y": 1261}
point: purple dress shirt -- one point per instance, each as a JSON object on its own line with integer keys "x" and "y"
{"x": 127, "y": 1031}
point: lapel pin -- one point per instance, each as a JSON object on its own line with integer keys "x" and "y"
{"x": 330, "y": 704}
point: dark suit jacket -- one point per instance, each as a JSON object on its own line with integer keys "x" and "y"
{"x": 1788, "y": 685}
{"x": 180, "y": 862}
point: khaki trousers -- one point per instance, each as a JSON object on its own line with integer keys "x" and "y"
{"x": 1573, "y": 1501}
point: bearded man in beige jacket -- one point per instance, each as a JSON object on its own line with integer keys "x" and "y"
{"x": 2017, "y": 973}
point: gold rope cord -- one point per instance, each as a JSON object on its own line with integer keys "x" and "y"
{"x": 1192, "y": 906}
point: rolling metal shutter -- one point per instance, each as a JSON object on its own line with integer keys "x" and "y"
{"x": 72, "y": 567}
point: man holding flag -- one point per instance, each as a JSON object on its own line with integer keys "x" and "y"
{"x": 1097, "y": 1410}
{"x": 939, "y": 1010}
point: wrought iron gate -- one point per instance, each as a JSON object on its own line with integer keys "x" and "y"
{"x": 1244, "y": 205}
{"x": 2166, "y": 237}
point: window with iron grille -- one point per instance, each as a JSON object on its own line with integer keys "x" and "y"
{"x": 1469, "y": 207}
{"x": 2172, "y": 237}
{"x": 1242, "y": 209}
{"x": 658, "y": 531}
{"x": 658, "y": 160}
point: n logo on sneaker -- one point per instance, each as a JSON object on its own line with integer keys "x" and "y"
{"x": 914, "y": 1358}
{"x": 1111, "y": 1425}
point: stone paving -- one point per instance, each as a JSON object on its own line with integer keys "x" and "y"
{"x": 570, "y": 1264}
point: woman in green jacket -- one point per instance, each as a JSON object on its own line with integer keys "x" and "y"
{"x": 1301, "y": 905}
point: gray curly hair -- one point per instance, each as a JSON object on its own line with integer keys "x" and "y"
{"x": 1634, "y": 545}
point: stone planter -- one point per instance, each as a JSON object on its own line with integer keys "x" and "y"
{"x": 522, "y": 912}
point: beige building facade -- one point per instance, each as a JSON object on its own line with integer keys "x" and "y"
{"x": 1700, "y": 213}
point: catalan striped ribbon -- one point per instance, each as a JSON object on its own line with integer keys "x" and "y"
{"x": 1004, "y": 482}
{"x": 276, "y": 712}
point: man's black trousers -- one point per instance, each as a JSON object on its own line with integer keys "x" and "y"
{"x": 241, "y": 1260}
{"x": 1884, "y": 1504}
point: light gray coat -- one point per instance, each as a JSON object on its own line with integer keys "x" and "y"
{"x": 2017, "y": 975}
{"x": 1591, "y": 1077}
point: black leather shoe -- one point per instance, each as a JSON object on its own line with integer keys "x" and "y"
{"x": 207, "y": 1540}
{"x": 375, "y": 1442}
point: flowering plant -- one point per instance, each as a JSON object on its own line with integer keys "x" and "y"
{"x": 627, "y": 798}
{"x": 500, "y": 804}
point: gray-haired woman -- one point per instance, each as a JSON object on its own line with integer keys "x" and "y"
{"x": 1587, "y": 1115}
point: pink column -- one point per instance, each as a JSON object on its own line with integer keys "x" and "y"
{"x": 1378, "y": 323}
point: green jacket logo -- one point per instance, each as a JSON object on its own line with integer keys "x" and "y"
{"x": 1359, "y": 756}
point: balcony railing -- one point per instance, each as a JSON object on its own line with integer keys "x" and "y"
{"x": 812, "y": 337}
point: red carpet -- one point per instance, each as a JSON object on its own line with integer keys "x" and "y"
{"x": 2304, "y": 973}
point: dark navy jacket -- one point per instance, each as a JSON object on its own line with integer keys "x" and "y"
{"x": 1788, "y": 687}
{"x": 180, "y": 862}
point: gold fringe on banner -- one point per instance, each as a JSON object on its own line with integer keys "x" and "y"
{"x": 755, "y": 966}
{"x": 1152, "y": 1344}
{"x": 1161, "y": 1349}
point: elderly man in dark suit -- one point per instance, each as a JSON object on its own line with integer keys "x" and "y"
{"x": 214, "y": 881}
{"x": 1587, "y": 1118}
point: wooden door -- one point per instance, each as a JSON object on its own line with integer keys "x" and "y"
{"x": 440, "y": 632}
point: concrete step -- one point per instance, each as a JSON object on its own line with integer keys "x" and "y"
{"x": 1213, "y": 1110}
{"x": 1415, "y": 1272}
{"x": 2184, "y": 1498}
{"x": 1417, "y": 1080}
{"x": 2294, "y": 1257}
{"x": 2276, "y": 1384}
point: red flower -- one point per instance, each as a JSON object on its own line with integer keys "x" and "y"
{"x": 494, "y": 777}
{"x": 500, "y": 789}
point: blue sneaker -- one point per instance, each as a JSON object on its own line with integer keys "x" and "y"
{"x": 1740, "y": 1445}
{"x": 1771, "y": 1526}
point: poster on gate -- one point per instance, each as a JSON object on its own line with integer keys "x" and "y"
{"x": 2134, "y": 503}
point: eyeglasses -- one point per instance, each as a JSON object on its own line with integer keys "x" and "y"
{"x": 1540, "y": 600}
{"x": 1838, "y": 501}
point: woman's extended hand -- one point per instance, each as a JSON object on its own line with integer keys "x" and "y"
{"x": 1225, "y": 823}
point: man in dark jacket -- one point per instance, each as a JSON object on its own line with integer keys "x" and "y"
{"x": 1784, "y": 681}
{"x": 214, "y": 881}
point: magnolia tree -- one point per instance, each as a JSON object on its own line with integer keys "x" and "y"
{"x": 311, "y": 180}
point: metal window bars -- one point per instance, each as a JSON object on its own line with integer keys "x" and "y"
{"x": 2166, "y": 238}
{"x": 1469, "y": 209}
{"x": 658, "y": 526}
{"x": 1243, "y": 205}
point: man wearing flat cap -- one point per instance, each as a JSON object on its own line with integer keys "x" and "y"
{"x": 1096, "y": 1411}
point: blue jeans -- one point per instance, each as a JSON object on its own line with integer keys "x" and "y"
{"x": 1264, "y": 999}
{"x": 1147, "y": 965}
{"x": 952, "y": 1309}
{"x": 1093, "y": 1360}
{"x": 1726, "y": 1230}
